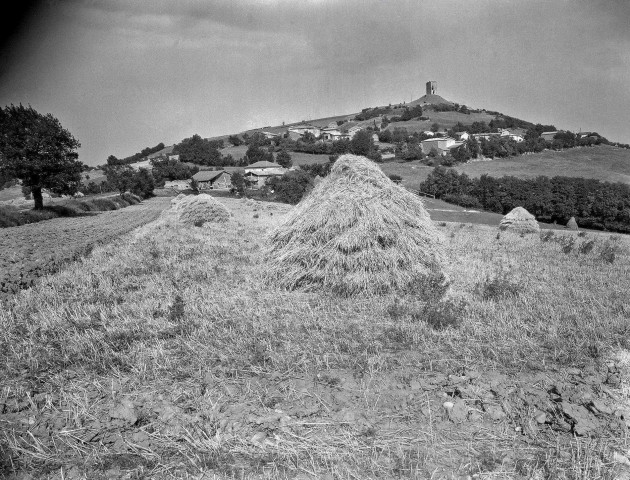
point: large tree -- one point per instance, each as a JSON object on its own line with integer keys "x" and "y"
{"x": 198, "y": 150}
{"x": 36, "y": 149}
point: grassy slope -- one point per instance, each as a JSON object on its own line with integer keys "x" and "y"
{"x": 445, "y": 119}
{"x": 177, "y": 324}
{"x": 603, "y": 162}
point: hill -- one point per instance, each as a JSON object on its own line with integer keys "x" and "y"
{"x": 432, "y": 99}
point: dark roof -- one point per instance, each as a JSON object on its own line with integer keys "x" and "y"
{"x": 208, "y": 175}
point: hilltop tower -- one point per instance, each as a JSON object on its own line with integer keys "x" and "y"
{"x": 432, "y": 88}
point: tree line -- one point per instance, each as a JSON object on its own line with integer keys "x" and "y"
{"x": 593, "y": 203}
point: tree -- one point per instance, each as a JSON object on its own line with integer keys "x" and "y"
{"x": 257, "y": 154}
{"x": 235, "y": 140}
{"x": 435, "y": 127}
{"x": 165, "y": 169}
{"x": 238, "y": 182}
{"x": 120, "y": 176}
{"x": 142, "y": 183}
{"x": 283, "y": 158}
{"x": 362, "y": 143}
{"x": 198, "y": 150}
{"x": 291, "y": 187}
{"x": 36, "y": 149}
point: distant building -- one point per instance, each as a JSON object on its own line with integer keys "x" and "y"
{"x": 177, "y": 184}
{"x": 462, "y": 135}
{"x": 213, "y": 180}
{"x": 442, "y": 144}
{"x": 270, "y": 135}
{"x": 548, "y": 136}
{"x": 304, "y": 128}
{"x": 431, "y": 88}
{"x": 257, "y": 174}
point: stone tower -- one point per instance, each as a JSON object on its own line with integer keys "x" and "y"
{"x": 431, "y": 88}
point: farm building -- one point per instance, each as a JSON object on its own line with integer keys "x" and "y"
{"x": 333, "y": 133}
{"x": 462, "y": 136}
{"x": 548, "y": 136}
{"x": 177, "y": 184}
{"x": 258, "y": 173}
{"x": 213, "y": 180}
{"x": 304, "y": 128}
{"x": 442, "y": 144}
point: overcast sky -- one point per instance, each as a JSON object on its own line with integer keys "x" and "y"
{"x": 123, "y": 75}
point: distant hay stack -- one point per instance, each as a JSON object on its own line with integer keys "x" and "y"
{"x": 519, "y": 220}
{"x": 572, "y": 224}
{"x": 199, "y": 209}
{"x": 356, "y": 233}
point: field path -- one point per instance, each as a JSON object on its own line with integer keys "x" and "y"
{"x": 30, "y": 251}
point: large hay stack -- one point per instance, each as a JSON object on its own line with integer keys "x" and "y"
{"x": 572, "y": 224}
{"x": 357, "y": 232}
{"x": 199, "y": 209}
{"x": 519, "y": 220}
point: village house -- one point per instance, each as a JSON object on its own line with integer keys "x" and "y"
{"x": 462, "y": 136}
{"x": 257, "y": 174}
{"x": 213, "y": 180}
{"x": 303, "y": 128}
{"x": 271, "y": 135}
{"x": 441, "y": 144}
{"x": 177, "y": 184}
{"x": 548, "y": 136}
{"x": 332, "y": 133}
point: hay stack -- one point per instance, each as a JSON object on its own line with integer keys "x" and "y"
{"x": 519, "y": 220}
{"x": 357, "y": 232}
{"x": 572, "y": 224}
{"x": 177, "y": 198}
{"x": 199, "y": 209}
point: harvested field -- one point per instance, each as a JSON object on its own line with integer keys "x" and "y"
{"x": 29, "y": 251}
{"x": 164, "y": 356}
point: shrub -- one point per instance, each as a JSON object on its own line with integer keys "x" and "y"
{"x": 586, "y": 247}
{"x": 131, "y": 198}
{"x": 546, "y": 236}
{"x": 441, "y": 315}
{"x": 566, "y": 243}
{"x": 291, "y": 187}
{"x": 102, "y": 204}
{"x": 498, "y": 287}
{"x": 610, "y": 249}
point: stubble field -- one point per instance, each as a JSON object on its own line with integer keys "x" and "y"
{"x": 30, "y": 251}
{"x": 165, "y": 355}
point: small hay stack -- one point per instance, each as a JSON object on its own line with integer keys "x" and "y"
{"x": 199, "y": 209}
{"x": 572, "y": 224}
{"x": 356, "y": 233}
{"x": 519, "y": 220}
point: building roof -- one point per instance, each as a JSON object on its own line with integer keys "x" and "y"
{"x": 208, "y": 175}
{"x": 549, "y": 133}
{"x": 270, "y": 172}
{"x": 438, "y": 139}
{"x": 263, "y": 164}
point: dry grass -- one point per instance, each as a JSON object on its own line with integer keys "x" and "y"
{"x": 356, "y": 232}
{"x": 228, "y": 378}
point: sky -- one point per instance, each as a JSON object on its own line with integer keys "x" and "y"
{"x": 124, "y": 75}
